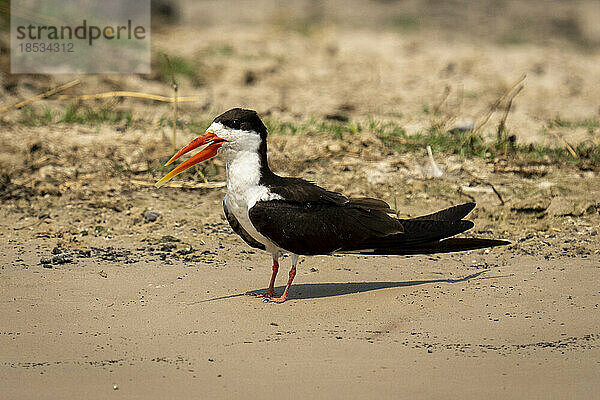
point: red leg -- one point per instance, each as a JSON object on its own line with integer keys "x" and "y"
{"x": 271, "y": 291}
{"x": 287, "y": 288}
{"x": 289, "y": 283}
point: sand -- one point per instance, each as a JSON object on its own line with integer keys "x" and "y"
{"x": 100, "y": 299}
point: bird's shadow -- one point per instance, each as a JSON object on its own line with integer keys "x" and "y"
{"x": 304, "y": 291}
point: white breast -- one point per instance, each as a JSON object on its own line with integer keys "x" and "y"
{"x": 244, "y": 190}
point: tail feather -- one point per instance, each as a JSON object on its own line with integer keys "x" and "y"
{"x": 426, "y": 230}
{"x": 454, "y": 213}
{"x": 419, "y": 231}
{"x": 428, "y": 234}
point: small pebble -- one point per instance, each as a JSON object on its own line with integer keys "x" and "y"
{"x": 168, "y": 239}
{"x": 85, "y": 253}
{"x": 62, "y": 259}
{"x": 150, "y": 216}
{"x": 168, "y": 247}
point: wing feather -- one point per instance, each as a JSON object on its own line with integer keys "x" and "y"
{"x": 311, "y": 220}
{"x": 317, "y": 228}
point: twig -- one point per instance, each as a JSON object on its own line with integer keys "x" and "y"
{"x": 35, "y": 223}
{"x": 495, "y": 106}
{"x": 567, "y": 145}
{"x": 497, "y": 193}
{"x": 573, "y": 153}
{"x": 174, "y": 117}
{"x": 28, "y": 226}
{"x": 174, "y": 85}
{"x": 437, "y": 107}
{"x": 175, "y": 101}
{"x": 436, "y": 111}
{"x": 502, "y": 124}
{"x": 462, "y": 192}
{"x": 182, "y": 185}
{"x": 41, "y": 96}
{"x": 131, "y": 94}
{"x": 479, "y": 179}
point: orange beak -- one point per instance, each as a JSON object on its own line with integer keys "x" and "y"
{"x": 213, "y": 141}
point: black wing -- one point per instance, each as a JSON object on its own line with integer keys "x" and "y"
{"x": 299, "y": 190}
{"x": 326, "y": 227}
{"x": 320, "y": 227}
{"x": 237, "y": 228}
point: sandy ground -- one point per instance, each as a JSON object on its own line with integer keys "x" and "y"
{"x": 98, "y": 301}
{"x": 100, "y": 298}
{"x": 465, "y": 326}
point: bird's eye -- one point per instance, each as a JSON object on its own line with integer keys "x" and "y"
{"x": 235, "y": 124}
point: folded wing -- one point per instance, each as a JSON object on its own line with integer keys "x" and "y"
{"x": 362, "y": 226}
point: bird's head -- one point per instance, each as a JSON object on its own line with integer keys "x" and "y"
{"x": 231, "y": 132}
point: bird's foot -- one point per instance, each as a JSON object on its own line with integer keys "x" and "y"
{"x": 268, "y": 294}
{"x": 277, "y": 299}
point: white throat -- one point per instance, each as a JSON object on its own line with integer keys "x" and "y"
{"x": 243, "y": 171}
{"x": 241, "y": 156}
{"x": 243, "y": 177}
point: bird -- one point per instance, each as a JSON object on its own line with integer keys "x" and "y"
{"x": 289, "y": 215}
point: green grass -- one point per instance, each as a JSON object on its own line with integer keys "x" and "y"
{"x": 336, "y": 129}
{"x": 590, "y": 124}
{"x": 465, "y": 144}
{"x": 74, "y": 114}
{"x": 182, "y": 67}
{"x": 391, "y": 133}
{"x": 33, "y": 117}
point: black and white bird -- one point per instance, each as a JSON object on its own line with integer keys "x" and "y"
{"x": 291, "y": 215}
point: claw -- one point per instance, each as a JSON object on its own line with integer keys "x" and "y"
{"x": 278, "y": 300}
{"x": 268, "y": 294}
